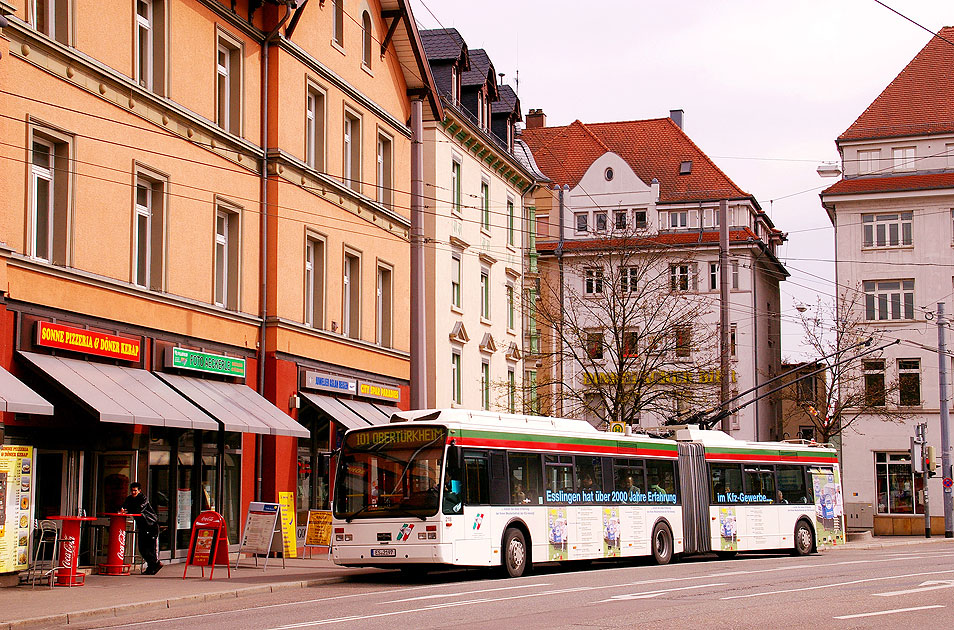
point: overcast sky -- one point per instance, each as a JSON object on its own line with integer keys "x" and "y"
{"x": 766, "y": 87}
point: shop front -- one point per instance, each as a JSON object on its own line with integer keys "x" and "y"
{"x": 332, "y": 404}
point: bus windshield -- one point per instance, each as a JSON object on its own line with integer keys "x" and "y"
{"x": 390, "y": 471}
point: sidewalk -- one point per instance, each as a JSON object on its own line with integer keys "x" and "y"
{"x": 106, "y": 596}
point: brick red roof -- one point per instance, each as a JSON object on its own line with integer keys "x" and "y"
{"x": 653, "y": 148}
{"x": 920, "y": 100}
{"x": 894, "y": 183}
{"x": 692, "y": 237}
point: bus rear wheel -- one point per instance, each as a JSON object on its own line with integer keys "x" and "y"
{"x": 804, "y": 539}
{"x": 515, "y": 553}
{"x": 662, "y": 544}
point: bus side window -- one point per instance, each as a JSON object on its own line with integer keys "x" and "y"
{"x": 559, "y": 473}
{"x": 760, "y": 482}
{"x": 476, "y": 479}
{"x": 726, "y": 482}
{"x": 453, "y": 485}
{"x": 589, "y": 476}
{"x": 526, "y": 483}
{"x": 630, "y": 478}
{"x": 791, "y": 484}
{"x": 661, "y": 477}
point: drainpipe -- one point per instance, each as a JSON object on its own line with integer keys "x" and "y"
{"x": 418, "y": 309}
{"x": 263, "y": 247}
{"x": 559, "y": 255}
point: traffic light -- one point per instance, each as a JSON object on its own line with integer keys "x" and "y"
{"x": 931, "y": 462}
{"x": 917, "y": 457}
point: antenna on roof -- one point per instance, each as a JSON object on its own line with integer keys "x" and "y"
{"x": 517, "y": 83}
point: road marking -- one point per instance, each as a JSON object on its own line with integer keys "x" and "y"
{"x": 649, "y": 594}
{"x": 460, "y": 593}
{"x": 931, "y": 585}
{"x": 888, "y": 612}
{"x": 820, "y": 586}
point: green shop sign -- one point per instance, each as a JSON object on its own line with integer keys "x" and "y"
{"x": 204, "y": 362}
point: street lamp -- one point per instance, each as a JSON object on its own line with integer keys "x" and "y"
{"x": 828, "y": 169}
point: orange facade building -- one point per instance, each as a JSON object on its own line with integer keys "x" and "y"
{"x": 204, "y": 245}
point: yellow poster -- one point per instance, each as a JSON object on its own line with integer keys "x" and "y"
{"x": 318, "y": 533}
{"x": 289, "y": 539}
{"x": 16, "y": 506}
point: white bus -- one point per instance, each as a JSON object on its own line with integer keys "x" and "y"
{"x": 479, "y": 489}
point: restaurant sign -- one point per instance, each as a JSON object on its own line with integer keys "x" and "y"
{"x": 62, "y": 337}
{"x": 205, "y": 362}
{"x": 659, "y": 377}
{"x": 328, "y": 383}
{"x": 390, "y": 393}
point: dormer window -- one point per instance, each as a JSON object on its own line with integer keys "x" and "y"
{"x": 480, "y": 109}
{"x": 454, "y": 84}
{"x": 685, "y": 167}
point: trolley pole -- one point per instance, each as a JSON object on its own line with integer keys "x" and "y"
{"x": 946, "y": 473}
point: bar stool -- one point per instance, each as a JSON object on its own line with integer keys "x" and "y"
{"x": 47, "y": 539}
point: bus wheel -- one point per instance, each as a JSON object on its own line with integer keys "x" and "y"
{"x": 515, "y": 552}
{"x": 804, "y": 539}
{"x": 662, "y": 544}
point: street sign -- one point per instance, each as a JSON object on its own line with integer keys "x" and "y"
{"x": 948, "y": 482}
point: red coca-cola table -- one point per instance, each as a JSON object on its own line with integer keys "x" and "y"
{"x": 116, "y": 555}
{"x": 69, "y": 551}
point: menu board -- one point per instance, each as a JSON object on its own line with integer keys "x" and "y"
{"x": 16, "y": 506}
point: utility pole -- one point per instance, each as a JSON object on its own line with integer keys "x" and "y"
{"x": 561, "y": 355}
{"x": 418, "y": 298}
{"x": 946, "y": 473}
{"x": 724, "y": 310}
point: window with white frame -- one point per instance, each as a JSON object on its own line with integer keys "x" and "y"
{"x": 351, "y": 154}
{"x": 733, "y": 340}
{"x": 229, "y": 84}
{"x": 511, "y": 391}
{"x": 533, "y": 399}
{"x": 455, "y": 85}
{"x": 593, "y": 281}
{"x": 485, "y": 385}
{"x": 366, "y": 39}
{"x": 337, "y": 22}
{"x": 455, "y": 376}
{"x": 889, "y": 299}
{"x": 869, "y": 162}
{"x": 49, "y": 204}
{"x": 455, "y": 279}
{"x": 485, "y": 206}
{"x": 679, "y": 277}
{"x": 629, "y": 279}
{"x": 511, "y": 222}
{"x": 639, "y": 219}
{"x": 600, "y": 218}
{"x": 900, "y": 490}
{"x": 51, "y": 17}
{"x": 384, "y": 307}
{"x": 620, "y": 219}
{"x": 949, "y": 152}
{"x": 149, "y": 44}
{"x": 226, "y": 281}
{"x": 480, "y": 109}
{"x": 909, "y": 382}
{"x": 455, "y": 185}
{"x": 484, "y": 294}
{"x": 582, "y": 222}
{"x": 315, "y": 128}
{"x": 679, "y": 219}
{"x": 148, "y": 233}
{"x": 511, "y": 307}
{"x": 384, "y": 170}
{"x": 314, "y": 282}
{"x": 903, "y": 158}
{"x": 887, "y": 230}
{"x": 873, "y": 370}
{"x": 735, "y": 274}
{"x": 351, "y": 302}
{"x": 713, "y": 276}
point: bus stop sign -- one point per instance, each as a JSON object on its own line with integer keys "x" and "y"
{"x": 617, "y": 427}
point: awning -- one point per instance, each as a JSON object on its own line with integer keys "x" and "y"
{"x": 333, "y": 407}
{"x": 237, "y": 407}
{"x": 16, "y": 397}
{"x": 371, "y": 412}
{"x": 121, "y": 394}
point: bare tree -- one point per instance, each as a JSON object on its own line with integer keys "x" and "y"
{"x": 855, "y": 383}
{"x": 629, "y": 334}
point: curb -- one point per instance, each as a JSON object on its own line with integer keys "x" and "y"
{"x": 898, "y": 543}
{"x": 63, "y": 619}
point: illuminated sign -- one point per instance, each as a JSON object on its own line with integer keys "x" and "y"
{"x": 87, "y": 341}
{"x": 204, "y": 362}
{"x": 659, "y": 377}
{"x": 396, "y": 438}
{"x": 328, "y": 383}
{"x": 390, "y": 393}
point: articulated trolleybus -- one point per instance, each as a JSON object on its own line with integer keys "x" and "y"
{"x": 472, "y": 488}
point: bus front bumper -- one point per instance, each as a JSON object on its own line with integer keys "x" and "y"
{"x": 383, "y": 555}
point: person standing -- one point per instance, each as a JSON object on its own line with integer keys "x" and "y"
{"x": 147, "y": 526}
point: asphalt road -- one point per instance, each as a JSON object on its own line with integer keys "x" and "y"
{"x": 887, "y": 588}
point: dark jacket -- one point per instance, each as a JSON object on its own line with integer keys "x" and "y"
{"x": 141, "y": 505}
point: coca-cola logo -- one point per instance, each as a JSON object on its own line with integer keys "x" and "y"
{"x": 69, "y": 548}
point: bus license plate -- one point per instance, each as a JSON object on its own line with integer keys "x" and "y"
{"x": 385, "y": 552}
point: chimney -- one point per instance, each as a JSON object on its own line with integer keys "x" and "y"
{"x": 677, "y": 115}
{"x": 536, "y": 119}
